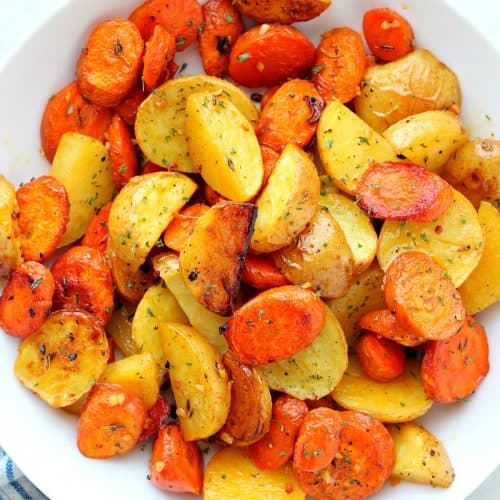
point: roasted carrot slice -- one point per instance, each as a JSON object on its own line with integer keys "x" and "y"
{"x": 275, "y": 325}
{"x": 97, "y": 233}
{"x": 269, "y": 159}
{"x": 110, "y": 63}
{"x": 180, "y": 228}
{"x": 339, "y": 64}
{"x": 423, "y": 297}
{"x": 27, "y": 299}
{"x": 156, "y": 418}
{"x": 361, "y": 466}
{"x": 176, "y": 465}
{"x": 266, "y": 97}
{"x": 83, "y": 281}
{"x": 211, "y": 196}
{"x": 453, "y": 368}
{"x": 277, "y": 445}
{"x": 388, "y": 34}
{"x": 111, "y": 422}
{"x": 127, "y": 109}
{"x": 261, "y": 273}
{"x": 159, "y": 52}
{"x": 267, "y": 55}
{"x": 43, "y": 217}
{"x": 291, "y": 116}
{"x": 403, "y": 191}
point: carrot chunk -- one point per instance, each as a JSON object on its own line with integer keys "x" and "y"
{"x": 180, "y": 228}
{"x": 158, "y": 54}
{"x": 97, "y": 233}
{"x": 156, "y": 418}
{"x": 127, "y": 109}
{"x": 269, "y": 159}
{"x": 261, "y": 273}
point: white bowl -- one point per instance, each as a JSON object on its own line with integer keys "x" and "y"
{"x": 41, "y": 440}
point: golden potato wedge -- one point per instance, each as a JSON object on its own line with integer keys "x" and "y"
{"x": 204, "y": 321}
{"x": 482, "y": 287}
{"x": 251, "y": 405}
{"x": 142, "y": 210}
{"x": 420, "y": 456}
{"x": 314, "y": 371}
{"x": 474, "y": 170}
{"x": 213, "y": 256}
{"x": 401, "y": 400}
{"x": 200, "y": 384}
{"x": 223, "y": 146}
{"x": 160, "y": 125}
{"x": 81, "y": 164}
{"x": 231, "y": 473}
{"x": 283, "y": 12}
{"x": 62, "y": 360}
{"x": 427, "y": 138}
{"x": 364, "y": 295}
{"x": 455, "y": 239}
{"x": 287, "y": 202}
{"x": 320, "y": 256}
{"x": 415, "y": 83}
{"x": 77, "y": 407}
{"x": 119, "y": 328}
{"x": 347, "y": 146}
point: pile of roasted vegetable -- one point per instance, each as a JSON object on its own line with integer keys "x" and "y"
{"x": 300, "y": 280}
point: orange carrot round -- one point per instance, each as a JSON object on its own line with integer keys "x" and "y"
{"x": 180, "y": 228}
{"x": 269, "y": 159}
{"x": 127, "y": 109}
{"x": 266, "y": 97}
{"x": 261, "y": 273}
{"x": 97, "y": 233}
{"x": 156, "y": 418}
{"x": 159, "y": 52}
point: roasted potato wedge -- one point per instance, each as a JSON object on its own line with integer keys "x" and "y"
{"x": 482, "y": 287}
{"x": 320, "y": 256}
{"x": 282, "y": 12}
{"x": 231, "y": 472}
{"x": 81, "y": 164}
{"x": 314, "y": 371}
{"x": 200, "y": 384}
{"x": 213, "y": 256}
{"x": 119, "y": 328}
{"x": 474, "y": 170}
{"x": 250, "y": 412}
{"x": 455, "y": 239}
{"x": 287, "y": 202}
{"x": 420, "y": 456}
{"x": 62, "y": 360}
{"x": 223, "y": 146}
{"x": 415, "y": 83}
{"x": 401, "y": 400}
{"x": 347, "y": 146}
{"x": 160, "y": 125}
{"x": 427, "y": 138}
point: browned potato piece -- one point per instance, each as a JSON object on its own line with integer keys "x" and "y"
{"x": 212, "y": 258}
{"x": 250, "y": 411}
{"x": 119, "y": 328}
{"x": 474, "y": 170}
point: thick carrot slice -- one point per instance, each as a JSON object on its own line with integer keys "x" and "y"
{"x": 275, "y": 325}
{"x": 276, "y": 447}
{"x": 339, "y": 64}
{"x": 180, "y": 228}
{"x": 43, "y": 217}
{"x": 156, "y": 418}
{"x": 182, "y": 18}
{"x": 223, "y": 25}
{"x": 68, "y": 111}
{"x": 261, "y": 273}
{"x": 267, "y": 55}
{"x": 403, "y": 191}
{"x": 453, "y": 368}
{"x": 269, "y": 159}
{"x": 110, "y": 63}
{"x": 388, "y": 34}
{"x": 423, "y": 297}
{"x": 111, "y": 422}
{"x": 83, "y": 281}
{"x": 159, "y": 52}
{"x": 97, "y": 233}
{"x": 266, "y": 97}
{"x": 361, "y": 466}
{"x": 381, "y": 359}
{"x": 122, "y": 152}
{"x": 176, "y": 465}
{"x": 211, "y": 196}
{"x": 291, "y": 116}
{"x": 26, "y": 299}
{"x": 318, "y": 441}
{"x": 127, "y": 109}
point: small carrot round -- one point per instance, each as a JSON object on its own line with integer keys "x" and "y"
{"x": 423, "y": 297}
{"x": 159, "y": 52}
{"x": 266, "y": 97}
{"x": 111, "y": 422}
{"x": 211, "y": 196}
{"x": 453, "y": 368}
{"x": 180, "y": 228}
{"x": 267, "y": 55}
{"x": 339, "y": 64}
{"x": 276, "y": 447}
{"x": 127, "y": 109}
{"x": 43, "y": 217}
{"x": 275, "y": 325}
{"x": 403, "y": 191}
{"x": 176, "y": 465}
{"x": 388, "y": 34}
{"x": 110, "y": 63}
{"x": 97, "y": 233}
{"x": 269, "y": 159}
{"x": 27, "y": 299}
{"x": 156, "y": 418}
{"x": 261, "y": 273}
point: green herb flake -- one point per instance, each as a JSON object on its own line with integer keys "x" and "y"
{"x": 230, "y": 18}
{"x": 363, "y": 140}
{"x": 317, "y": 69}
{"x": 70, "y": 109}
{"x": 243, "y": 57}
{"x": 329, "y": 143}
{"x": 36, "y": 283}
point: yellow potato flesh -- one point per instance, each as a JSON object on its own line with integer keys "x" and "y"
{"x": 119, "y": 328}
